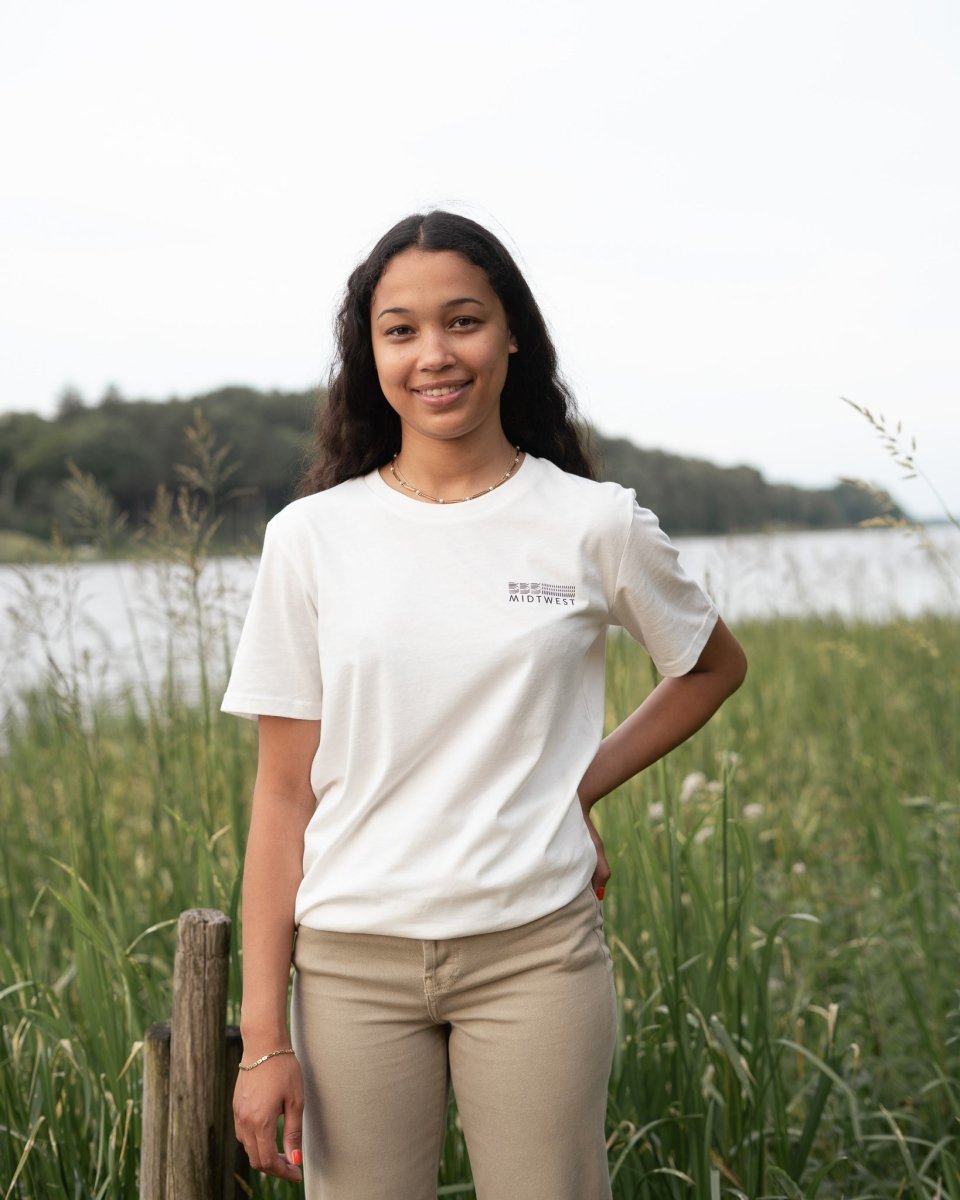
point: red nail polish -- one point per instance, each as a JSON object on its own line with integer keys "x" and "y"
{"x": 600, "y": 892}
{"x": 296, "y": 1157}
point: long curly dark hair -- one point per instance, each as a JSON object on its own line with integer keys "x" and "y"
{"x": 357, "y": 431}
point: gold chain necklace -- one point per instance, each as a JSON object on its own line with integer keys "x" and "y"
{"x": 408, "y": 487}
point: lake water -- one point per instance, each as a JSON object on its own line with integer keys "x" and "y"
{"x": 102, "y": 627}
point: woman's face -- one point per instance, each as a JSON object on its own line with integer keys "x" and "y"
{"x": 441, "y": 344}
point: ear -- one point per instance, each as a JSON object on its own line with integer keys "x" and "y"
{"x": 512, "y": 346}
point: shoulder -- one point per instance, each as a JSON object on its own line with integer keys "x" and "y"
{"x": 303, "y": 534}
{"x": 604, "y": 517}
{"x": 317, "y": 510}
{"x": 605, "y": 503}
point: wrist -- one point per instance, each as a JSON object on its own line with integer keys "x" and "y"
{"x": 252, "y": 1063}
{"x": 269, "y": 1034}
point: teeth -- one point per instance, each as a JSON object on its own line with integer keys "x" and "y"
{"x": 433, "y": 393}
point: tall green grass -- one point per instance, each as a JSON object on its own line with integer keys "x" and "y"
{"x": 784, "y": 911}
{"x": 784, "y": 916}
{"x": 787, "y": 930}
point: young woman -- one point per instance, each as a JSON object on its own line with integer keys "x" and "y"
{"x": 425, "y": 651}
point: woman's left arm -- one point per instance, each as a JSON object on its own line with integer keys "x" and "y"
{"x": 675, "y": 709}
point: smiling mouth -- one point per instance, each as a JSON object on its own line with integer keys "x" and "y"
{"x": 437, "y": 393}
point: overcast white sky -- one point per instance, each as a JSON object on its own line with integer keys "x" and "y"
{"x": 732, "y": 212}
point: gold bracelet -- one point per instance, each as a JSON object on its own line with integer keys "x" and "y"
{"x": 263, "y": 1058}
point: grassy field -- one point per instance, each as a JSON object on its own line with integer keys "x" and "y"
{"x": 784, "y": 917}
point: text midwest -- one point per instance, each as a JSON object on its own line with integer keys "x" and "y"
{"x": 559, "y": 594}
{"x": 528, "y": 599}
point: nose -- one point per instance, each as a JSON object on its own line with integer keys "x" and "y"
{"x": 436, "y": 352}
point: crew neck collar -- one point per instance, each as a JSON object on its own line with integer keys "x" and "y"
{"x": 402, "y": 505}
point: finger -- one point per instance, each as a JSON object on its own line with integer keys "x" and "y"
{"x": 601, "y": 875}
{"x": 271, "y": 1162}
{"x": 293, "y": 1136}
{"x": 603, "y": 870}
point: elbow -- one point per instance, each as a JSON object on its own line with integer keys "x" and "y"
{"x": 725, "y": 657}
{"x": 737, "y": 672}
{"x": 729, "y": 667}
{"x": 732, "y": 659}
{"x": 724, "y": 661}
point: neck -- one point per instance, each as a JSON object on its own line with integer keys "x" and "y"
{"x": 451, "y": 470}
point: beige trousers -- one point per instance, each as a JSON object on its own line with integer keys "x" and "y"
{"x": 522, "y": 1022}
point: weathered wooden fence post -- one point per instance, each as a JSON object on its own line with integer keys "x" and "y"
{"x": 189, "y": 1150}
{"x": 195, "y": 1131}
{"x": 156, "y": 1112}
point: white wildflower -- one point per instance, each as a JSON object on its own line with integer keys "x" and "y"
{"x": 703, "y": 834}
{"x": 692, "y": 784}
{"x": 799, "y": 868}
{"x": 752, "y": 811}
{"x": 655, "y": 811}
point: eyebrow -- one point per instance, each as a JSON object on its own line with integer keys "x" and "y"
{"x": 446, "y": 304}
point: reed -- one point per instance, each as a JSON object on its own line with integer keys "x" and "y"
{"x": 784, "y": 919}
{"x": 784, "y": 911}
{"x": 783, "y": 916}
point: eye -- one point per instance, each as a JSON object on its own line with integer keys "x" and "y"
{"x": 398, "y": 331}
{"x": 463, "y": 322}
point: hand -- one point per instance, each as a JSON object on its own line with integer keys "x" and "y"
{"x": 602, "y": 873}
{"x": 261, "y": 1096}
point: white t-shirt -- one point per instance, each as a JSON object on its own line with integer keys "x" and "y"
{"x": 455, "y": 657}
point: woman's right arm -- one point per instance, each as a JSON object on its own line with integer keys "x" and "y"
{"x": 283, "y": 803}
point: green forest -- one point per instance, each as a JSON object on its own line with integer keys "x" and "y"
{"x": 133, "y": 447}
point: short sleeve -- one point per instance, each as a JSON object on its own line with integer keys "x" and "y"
{"x": 276, "y": 671}
{"x": 656, "y": 602}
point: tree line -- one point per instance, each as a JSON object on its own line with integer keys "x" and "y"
{"x": 132, "y": 447}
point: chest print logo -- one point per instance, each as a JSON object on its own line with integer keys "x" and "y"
{"x": 559, "y": 594}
